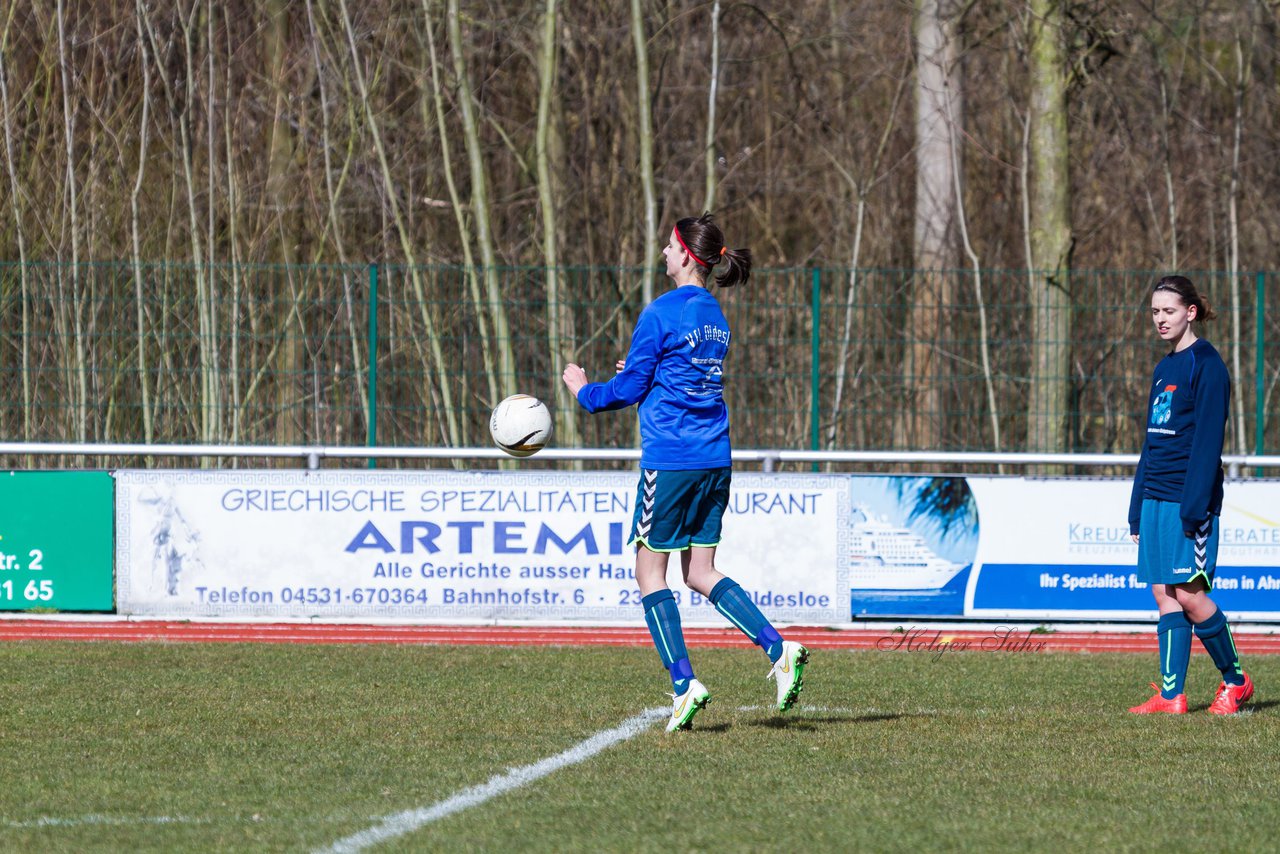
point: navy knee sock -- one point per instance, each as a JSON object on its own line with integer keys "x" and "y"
{"x": 1215, "y": 634}
{"x": 736, "y": 606}
{"x": 663, "y": 619}
{"x": 1174, "y": 631}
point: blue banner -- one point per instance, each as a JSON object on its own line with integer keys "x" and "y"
{"x": 1060, "y": 549}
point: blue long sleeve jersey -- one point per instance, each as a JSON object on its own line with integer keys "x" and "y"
{"x": 674, "y": 371}
{"x": 1186, "y": 425}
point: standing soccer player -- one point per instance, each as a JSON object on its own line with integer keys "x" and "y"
{"x": 1176, "y": 500}
{"x": 674, "y": 370}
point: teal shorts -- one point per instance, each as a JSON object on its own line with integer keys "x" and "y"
{"x": 1166, "y": 555}
{"x": 679, "y": 509}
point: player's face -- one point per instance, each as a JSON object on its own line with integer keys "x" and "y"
{"x": 1171, "y": 317}
{"x": 675, "y": 255}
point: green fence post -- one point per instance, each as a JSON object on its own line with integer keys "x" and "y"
{"x": 814, "y": 364}
{"x": 1259, "y": 366}
{"x": 371, "y": 440}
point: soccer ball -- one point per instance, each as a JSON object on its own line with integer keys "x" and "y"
{"x": 520, "y": 425}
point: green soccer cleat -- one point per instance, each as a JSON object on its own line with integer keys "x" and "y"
{"x": 687, "y": 705}
{"x": 788, "y": 670}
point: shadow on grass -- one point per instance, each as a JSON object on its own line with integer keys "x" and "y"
{"x": 700, "y": 729}
{"x": 810, "y": 722}
{"x": 1248, "y": 708}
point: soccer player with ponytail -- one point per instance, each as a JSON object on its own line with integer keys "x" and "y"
{"x": 674, "y": 372}
{"x": 1176, "y": 500}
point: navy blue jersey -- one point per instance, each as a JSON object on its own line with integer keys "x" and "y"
{"x": 674, "y": 371}
{"x": 1186, "y": 425}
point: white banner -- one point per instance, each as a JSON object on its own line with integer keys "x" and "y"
{"x": 1060, "y": 548}
{"x": 437, "y": 546}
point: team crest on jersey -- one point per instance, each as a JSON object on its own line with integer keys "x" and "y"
{"x": 1162, "y": 409}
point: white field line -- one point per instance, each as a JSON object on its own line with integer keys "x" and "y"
{"x": 85, "y": 820}
{"x": 408, "y": 821}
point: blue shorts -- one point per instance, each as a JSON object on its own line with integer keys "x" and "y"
{"x": 679, "y": 509}
{"x": 1166, "y": 555}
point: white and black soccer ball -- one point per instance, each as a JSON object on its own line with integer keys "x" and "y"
{"x": 521, "y": 425}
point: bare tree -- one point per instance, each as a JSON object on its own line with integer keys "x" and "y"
{"x": 480, "y": 206}
{"x": 241, "y": 132}
{"x": 180, "y": 105}
{"x": 232, "y": 242}
{"x": 962, "y": 220}
{"x": 1050, "y": 231}
{"x": 1244, "y": 60}
{"x": 459, "y": 211}
{"x": 1171, "y": 199}
{"x": 644, "y": 121}
{"x": 861, "y": 187}
{"x": 709, "y": 155}
{"x": 450, "y": 416}
{"x": 281, "y": 226}
{"x": 144, "y": 133}
{"x": 559, "y": 315}
{"x": 936, "y": 246}
{"x": 333, "y": 224}
{"x": 15, "y": 195}
{"x": 76, "y": 303}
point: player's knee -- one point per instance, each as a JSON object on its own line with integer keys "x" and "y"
{"x": 701, "y": 578}
{"x": 1189, "y": 598}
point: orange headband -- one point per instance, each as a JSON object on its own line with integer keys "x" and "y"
{"x": 688, "y": 251}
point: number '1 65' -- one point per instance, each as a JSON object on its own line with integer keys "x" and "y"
{"x": 35, "y": 590}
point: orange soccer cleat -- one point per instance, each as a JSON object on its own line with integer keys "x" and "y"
{"x": 1231, "y": 697}
{"x": 1159, "y": 705}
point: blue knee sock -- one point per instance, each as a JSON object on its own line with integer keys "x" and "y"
{"x": 1215, "y": 634}
{"x": 736, "y": 606}
{"x": 663, "y": 618}
{"x": 1174, "y": 631}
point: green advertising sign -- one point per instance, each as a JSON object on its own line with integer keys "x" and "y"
{"x": 56, "y": 541}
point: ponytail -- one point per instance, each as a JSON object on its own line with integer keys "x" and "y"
{"x": 737, "y": 267}
{"x": 704, "y": 241}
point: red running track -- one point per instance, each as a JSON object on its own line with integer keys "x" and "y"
{"x": 914, "y": 639}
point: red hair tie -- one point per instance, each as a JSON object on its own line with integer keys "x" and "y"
{"x": 687, "y": 250}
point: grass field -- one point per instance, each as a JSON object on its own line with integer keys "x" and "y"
{"x": 266, "y": 747}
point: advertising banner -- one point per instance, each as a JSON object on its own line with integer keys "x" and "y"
{"x": 552, "y": 546}
{"x": 1060, "y": 548}
{"x": 440, "y": 545}
{"x": 55, "y": 541}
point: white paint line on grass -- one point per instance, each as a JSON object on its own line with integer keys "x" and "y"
{"x": 408, "y": 821}
{"x": 86, "y": 820}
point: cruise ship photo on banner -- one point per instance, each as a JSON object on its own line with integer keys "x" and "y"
{"x": 912, "y": 541}
{"x": 885, "y": 556}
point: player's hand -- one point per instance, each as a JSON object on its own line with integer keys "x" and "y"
{"x": 1134, "y": 537}
{"x": 574, "y": 378}
{"x": 620, "y": 365}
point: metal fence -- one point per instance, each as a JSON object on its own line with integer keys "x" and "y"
{"x": 822, "y": 359}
